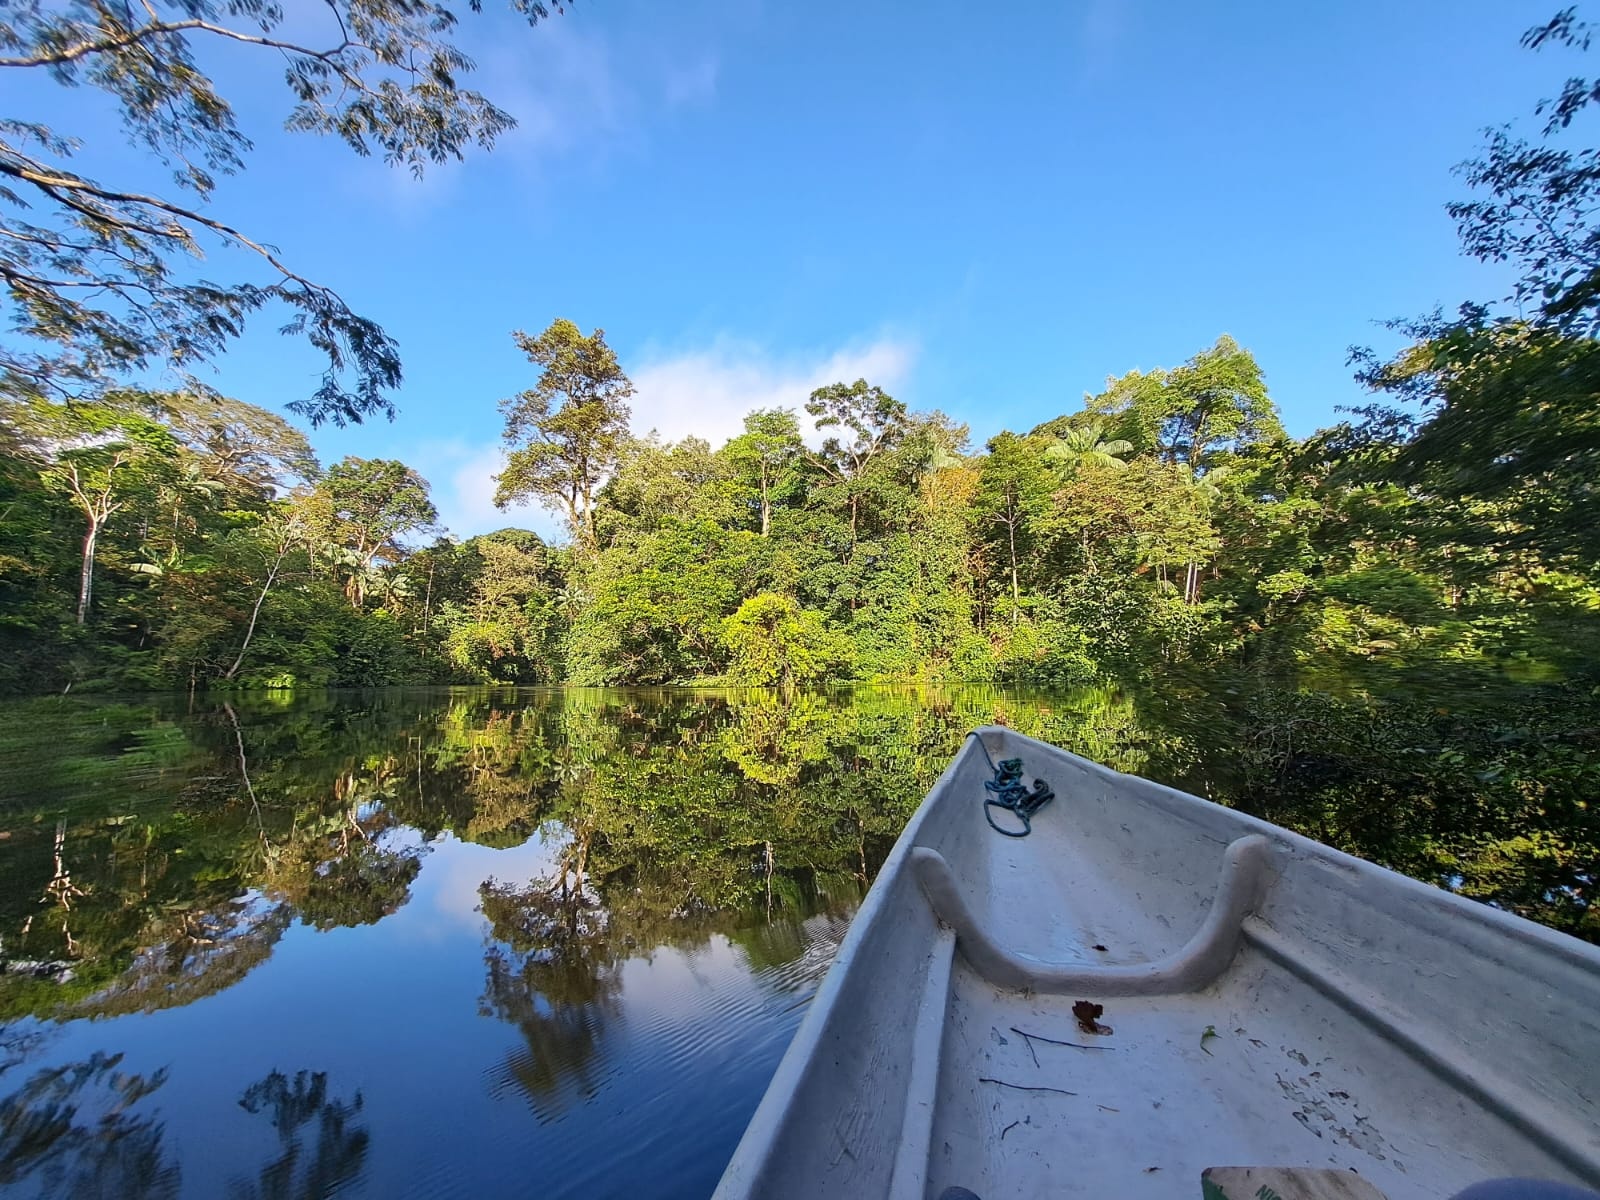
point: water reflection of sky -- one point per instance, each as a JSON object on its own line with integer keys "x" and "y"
{"x": 393, "y": 1012}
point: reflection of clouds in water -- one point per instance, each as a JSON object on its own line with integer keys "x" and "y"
{"x": 697, "y": 998}
{"x": 445, "y": 896}
{"x": 671, "y": 984}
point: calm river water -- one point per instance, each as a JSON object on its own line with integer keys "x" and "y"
{"x": 445, "y": 942}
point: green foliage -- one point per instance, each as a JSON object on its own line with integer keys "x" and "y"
{"x": 1211, "y": 406}
{"x": 565, "y": 434}
{"x": 186, "y": 535}
{"x": 1087, "y": 444}
{"x": 501, "y": 621}
{"x": 1487, "y": 798}
{"x": 654, "y": 607}
{"x": 95, "y": 270}
{"x": 359, "y": 512}
{"x": 765, "y": 462}
{"x": 772, "y": 640}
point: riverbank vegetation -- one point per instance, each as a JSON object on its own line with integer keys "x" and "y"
{"x": 167, "y": 541}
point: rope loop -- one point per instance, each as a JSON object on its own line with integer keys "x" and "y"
{"x": 1010, "y": 793}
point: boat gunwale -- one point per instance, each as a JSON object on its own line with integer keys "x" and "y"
{"x": 1183, "y": 805}
{"x": 766, "y": 1123}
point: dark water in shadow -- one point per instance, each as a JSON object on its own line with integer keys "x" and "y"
{"x": 462, "y": 942}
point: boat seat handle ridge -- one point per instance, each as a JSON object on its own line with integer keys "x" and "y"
{"x": 1200, "y": 960}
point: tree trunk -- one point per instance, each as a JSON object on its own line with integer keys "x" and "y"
{"x": 588, "y": 514}
{"x": 766, "y": 504}
{"x": 1016, "y": 592}
{"x": 255, "y": 613}
{"x": 86, "y": 572}
{"x": 1197, "y": 445}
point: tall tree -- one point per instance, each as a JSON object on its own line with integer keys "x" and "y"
{"x": 766, "y": 453}
{"x": 363, "y": 507}
{"x": 238, "y": 444}
{"x": 99, "y": 454}
{"x": 1215, "y": 402}
{"x": 1013, "y": 491}
{"x": 565, "y": 432}
{"x": 94, "y": 269}
{"x": 653, "y": 483}
{"x": 283, "y": 530}
{"x": 875, "y": 421}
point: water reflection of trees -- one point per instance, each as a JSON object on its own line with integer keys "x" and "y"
{"x": 82, "y": 1130}
{"x": 183, "y": 895}
{"x": 70, "y": 1131}
{"x": 157, "y": 855}
{"x": 302, "y": 1111}
{"x": 553, "y": 972}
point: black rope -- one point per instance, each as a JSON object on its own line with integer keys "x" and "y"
{"x": 1010, "y": 793}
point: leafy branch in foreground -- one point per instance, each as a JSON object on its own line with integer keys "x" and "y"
{"x": 1507, "y": 390}
{"x": 1538, "y": 202}
{"x": 96, "y": 275}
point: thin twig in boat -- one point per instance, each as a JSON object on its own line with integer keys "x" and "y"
{"x": 1023, "y": 1087}
{"x": 1039, "y": 1037}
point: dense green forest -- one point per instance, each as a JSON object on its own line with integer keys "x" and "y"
{"x": 169, "y": 541}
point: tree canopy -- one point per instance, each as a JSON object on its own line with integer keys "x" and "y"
{"x": 566, "y": 432}
{"x": 98, "y": 272}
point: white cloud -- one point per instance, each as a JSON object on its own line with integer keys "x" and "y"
{"x": 462, "y": 477}
{"x": 706, "y": 393}
{"x": 562, "y": 86}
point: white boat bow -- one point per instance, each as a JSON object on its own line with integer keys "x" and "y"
{"x": 1265, "y": 1001}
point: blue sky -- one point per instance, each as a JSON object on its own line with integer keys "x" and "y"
{"x": 986, "y": 209}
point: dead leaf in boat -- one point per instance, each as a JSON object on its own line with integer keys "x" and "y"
{"x": 1088, "y": 1014}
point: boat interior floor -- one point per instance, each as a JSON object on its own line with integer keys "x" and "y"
{"x": 1254, "y": 1068}
{"x": 1245, "y": 1072}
